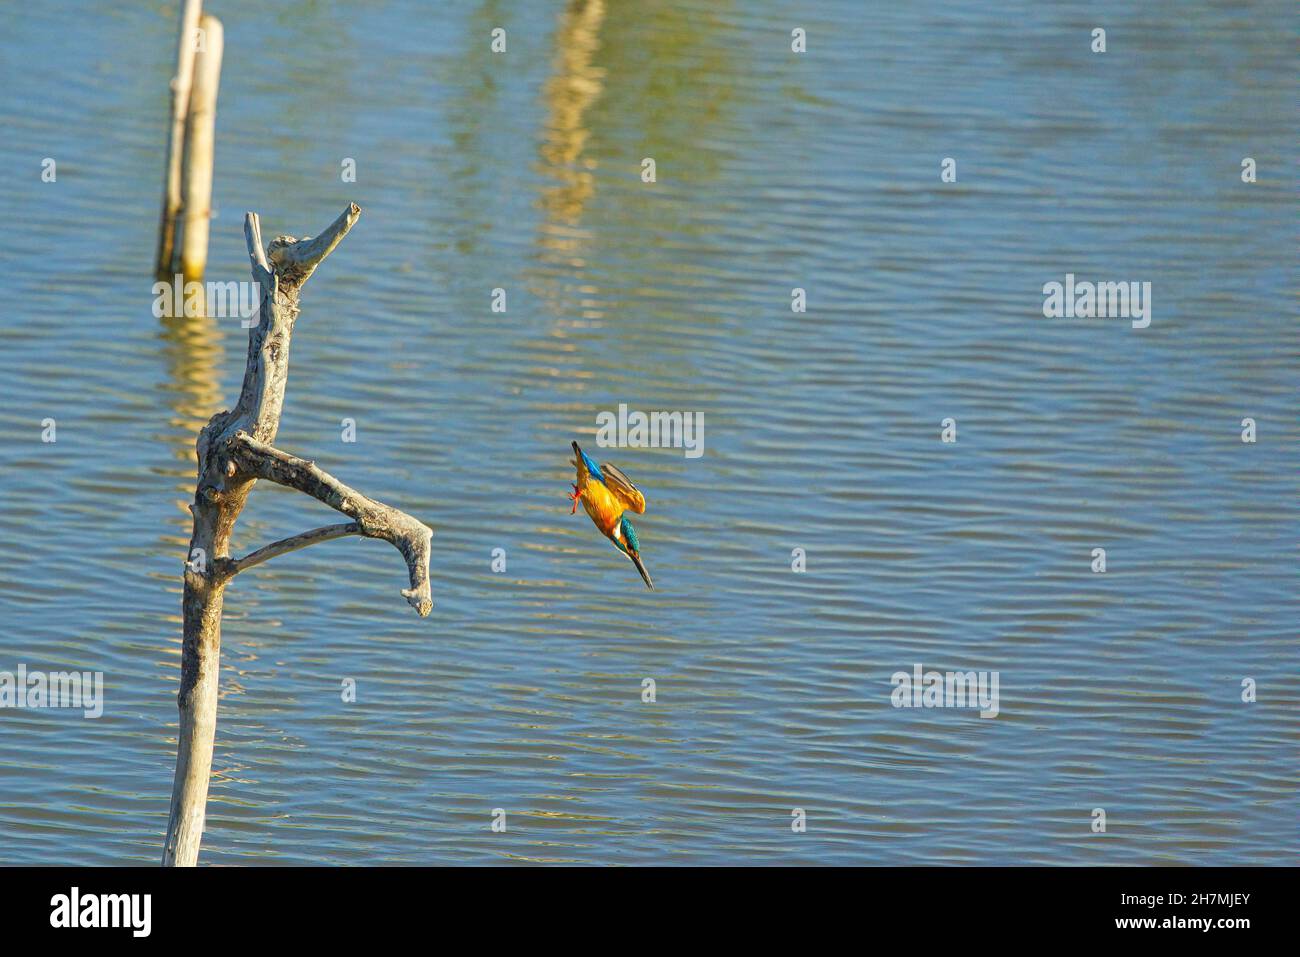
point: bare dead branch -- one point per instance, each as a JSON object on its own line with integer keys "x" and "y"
{"x": 234, "y": 451}
{"x": 253, "y": 238}
{"x": 376, "y": 520}
{"x": 291, "y": 544}
{"x": 296, "y": 259}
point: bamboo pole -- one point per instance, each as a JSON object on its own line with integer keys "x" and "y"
{"x": 185, "y": 53}
{"x": 234, "y": 451}
{"x": 196, "y": 181}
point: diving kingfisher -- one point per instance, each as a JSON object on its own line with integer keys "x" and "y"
{"x": 606, "y": 493}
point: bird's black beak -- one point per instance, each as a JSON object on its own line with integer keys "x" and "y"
{"x": 636, "y": 560}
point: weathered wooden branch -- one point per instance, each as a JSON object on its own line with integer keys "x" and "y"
{"x": 234, "y": 451}
{"x": 297, "y": 259}
{"x": 374, "y": 519}
{"x": 291, "y": 544}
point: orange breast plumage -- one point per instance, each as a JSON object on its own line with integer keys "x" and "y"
{"x": 599, "y": 503}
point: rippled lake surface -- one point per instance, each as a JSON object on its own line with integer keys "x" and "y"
{"x": 775, "y": 170}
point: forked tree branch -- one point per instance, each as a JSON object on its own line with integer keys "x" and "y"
{"x": 234, "y": 451}
{"x": 296, "y": 259}
{"x": 374, "y": 519}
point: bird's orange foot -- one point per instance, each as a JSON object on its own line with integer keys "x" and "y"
{"x": 577, "y": 494}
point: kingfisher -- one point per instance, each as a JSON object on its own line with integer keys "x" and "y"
{"x": 606, "y": 493}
